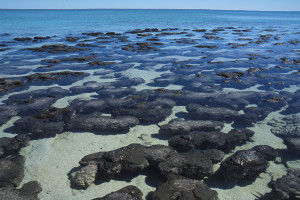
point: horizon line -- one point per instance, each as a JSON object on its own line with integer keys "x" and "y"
{"x": 145, "y": 9}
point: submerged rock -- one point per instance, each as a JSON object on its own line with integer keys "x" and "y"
{"x": 132, "y": 158}
{"x": 7, "y": 84}
{"x": 96, "y": 122}
{"x": 11, "y": 171}
{"x": 210, "y": 140}
{"x": 247, "y": 164}
{"x": 12, "y": 146}
{"x": 84, "y": 177}
{"x": 56, "y": 48}
{"x": 127, "y": 193}
{"x": 211, "y": 113}
{"x": 29, "y": 191}
{"x": 152, "y": 112}
{"x": 184, "y": 189}
{"x": 287, "y": 187}
{"x": 179, "y": 127}
{"x": 286, "y": 126}
{"x": 195, "y": 165}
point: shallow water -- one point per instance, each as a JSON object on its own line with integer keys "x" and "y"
{"x": 174, "y": 66}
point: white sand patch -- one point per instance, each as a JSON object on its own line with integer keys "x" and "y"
{"x": 50, "y": 160}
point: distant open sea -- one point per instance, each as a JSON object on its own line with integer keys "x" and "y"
{"x": 62, "y": 22}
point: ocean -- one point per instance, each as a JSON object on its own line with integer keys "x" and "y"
{"x": 62, "y": 22}
{"x": 173, "y": 102}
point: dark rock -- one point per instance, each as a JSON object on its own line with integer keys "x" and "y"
{"x": 39, "y": 128}
{"x": 72, "y": 39}
{"x": 199, "y": 30}
{"x": 132, "y": 158}
{"x": 156, "y": 154}
{"x": 41, "y": 38}
{"x": 152, "y": 112}
{"x": 211, "y": 113}
{"x": 11, "y": 171}
{"x": 287, "y": 187}
{"x": 12, "y": 146}
{"x": 23, "y": 39}
{"x": 252, "y": 115}
{"x": 252, "y": 70}
{"x": 86, "y": 45}
{"x": 109, "y": 104}
{"x": 293, "y": 144}
{"x": 96, "y": 122}
{"x": 195, "y": 165}
{"x": 9, "y": 84}
{"x": 56, "y": 48}
{"x": 297, "y": 62}
{"x": 207, "y": 46}
{"x": 52, "y": 76}
{"x": 127, "y": 193}
{"x": 93, "y": 34}
{"x": 179, "y": 127}
{"x": 233, "y": 75}
{"x": 268, "y": 152}
{"x": 210, "y": 140}
{"x": 29, "y": 191}
{"x": 115, "y": 92}
{"x": 184, "y": 189}
{"x": 100, "y": 63}
{"x": 286, "y": 126}
{"x": 247, "y": 164}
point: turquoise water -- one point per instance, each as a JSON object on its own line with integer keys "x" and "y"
{"x": 56, "y": 22}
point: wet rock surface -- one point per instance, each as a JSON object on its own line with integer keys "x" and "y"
{"x": 184, "y": 189}
{"x": 287, "y": 187}
{"x": 56, "y": 48}
{"x": 11, "y": 170}
{"x": 12, "y": 146}
{"x": 247, "y": 164}
{"x": 211, "y": 113}
{"x": 29, "y": 191}
{"x": 127, "y": 193}
{"x": 136, "y": 158}
{"x": 178, "y": 127}
{"x": 210, "y": 140}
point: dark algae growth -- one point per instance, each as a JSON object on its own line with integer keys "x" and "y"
{"x": 201, "y": 113}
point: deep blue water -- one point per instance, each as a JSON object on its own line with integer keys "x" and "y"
{"x": 61, "y": 22}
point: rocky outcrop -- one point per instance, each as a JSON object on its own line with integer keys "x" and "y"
{"x": 12, "y": 146}
{"x": 210, "y": 140}
{"x": 195, "y": 165}
{"x": 181, "y": 127}
{"x": 287, "y": 187}
{"x": 247, "y": 164}
{"x": 11, "y": 170}
{"x": 136, "y": 158}
{"x": 127, "y": 193}
{"x": 7, "y": 84}
{"x": 184, "y": 189}
{"x": 29, "y": 191}
{"x": 211, "y": 113}
{"x": 56, "y": 48}
{"x": 97, "y": 123}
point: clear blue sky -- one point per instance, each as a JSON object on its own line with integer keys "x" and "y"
{"x": 270, "y": 5}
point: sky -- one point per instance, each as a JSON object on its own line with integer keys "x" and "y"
{"x": 267, "y": 5}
